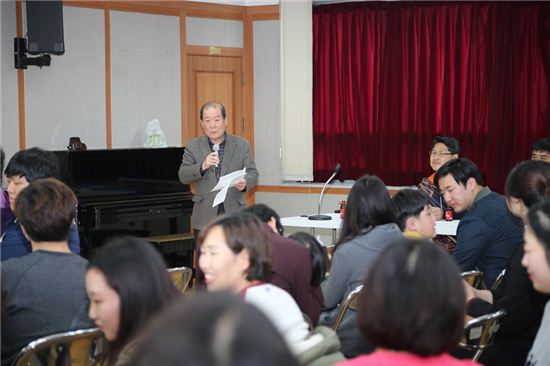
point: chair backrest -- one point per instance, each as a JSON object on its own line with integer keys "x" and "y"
{"x": 480, "y": 332}
{"x": 181, "y": 276}
{"x": 498, "y": 280}
{"x": 349, "y": 303}
{"x": 474, "y": 279}
{"x": 74, "y": 348}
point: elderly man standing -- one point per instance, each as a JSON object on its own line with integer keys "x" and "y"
{"x": 206, "y": 159}
{"x": 486, "y": 235}
{"x": 214, "y": 154}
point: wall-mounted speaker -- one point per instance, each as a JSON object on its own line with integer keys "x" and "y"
{"x": 45, "y": 27}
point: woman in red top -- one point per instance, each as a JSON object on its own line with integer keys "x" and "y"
{"x": 412, "y": 307}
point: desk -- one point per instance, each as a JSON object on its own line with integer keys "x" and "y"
{"x": 441, "y": 227}
{"x": 303, "y": 221}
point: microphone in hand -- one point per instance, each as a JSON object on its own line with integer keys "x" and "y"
{"x": 216, "y": 148}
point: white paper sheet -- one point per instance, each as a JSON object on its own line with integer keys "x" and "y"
{"x": 224, "y": 183}
{"x": 220, "y": 197}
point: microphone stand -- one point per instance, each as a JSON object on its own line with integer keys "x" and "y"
{"x": 320, "y": 217}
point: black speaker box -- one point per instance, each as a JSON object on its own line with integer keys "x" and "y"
{"x": 45, "y": 27}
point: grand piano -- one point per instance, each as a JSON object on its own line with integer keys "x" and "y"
{"x": 130, "y": 192}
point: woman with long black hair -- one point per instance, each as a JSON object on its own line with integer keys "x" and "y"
{"x": 369, "y": 226}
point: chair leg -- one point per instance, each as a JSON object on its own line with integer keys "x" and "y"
{"x": 477, "y": 355}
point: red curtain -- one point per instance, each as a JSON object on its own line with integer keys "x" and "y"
{"x": 389, "y": 76}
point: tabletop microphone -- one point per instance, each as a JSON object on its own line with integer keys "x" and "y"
{"x": 319, "y": 216}
{"x": 216, "y": 148}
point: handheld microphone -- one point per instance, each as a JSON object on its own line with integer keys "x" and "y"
{"x": 216, "y": 148}
{"x": 319, "y": 216}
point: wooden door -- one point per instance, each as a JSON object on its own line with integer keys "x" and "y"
{"x": 216, "y": 78}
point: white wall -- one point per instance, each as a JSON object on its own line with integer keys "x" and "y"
{"x": 214, "y": 32}
{"x": 145, "y": 77}
{"x": 267, "y": 111}
{"x": 9, "y": 128}
{"x": 68, "y": 98}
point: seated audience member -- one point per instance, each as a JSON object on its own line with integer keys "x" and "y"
{"x": 412, "y": 307}
{"x": 527, "y": 184}
{"x": 127, "y": 283}
{"x": 43, "y": 292}
{"x": 541, "y": 150}
{"x": 537, "y": 262}
{"x": 291, "y": 264}
{"x": 213, "y": 329}
{"x": 319, "y": 256}
{"x": 6, "y": 214}
{"x": 369, "y": 226}
{"x": 236, "y": 257}
{"x": 444, "y": 148}
{"x": 487, "y": 235}
{"x": 23, "y": 168}
{"x": 414, "y": 214}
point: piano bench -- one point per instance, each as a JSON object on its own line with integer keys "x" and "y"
{"x": 175, "y": 243}
{"x": 159, "y": 239}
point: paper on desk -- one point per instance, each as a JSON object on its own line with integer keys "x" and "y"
{"x": 224, "y": 183}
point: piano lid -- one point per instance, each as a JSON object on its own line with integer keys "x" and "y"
{"x": 122, "y": 172}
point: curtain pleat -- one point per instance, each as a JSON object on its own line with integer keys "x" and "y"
{"x": 388, "y": 77}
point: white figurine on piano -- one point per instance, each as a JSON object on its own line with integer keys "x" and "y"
{"x": 155, "y": 136}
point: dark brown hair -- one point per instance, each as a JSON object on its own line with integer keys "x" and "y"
{"x": 450, "y": 142}
{"x": 529, "y": 181}
{"x": 138, "y": 274}
{"x": 461, "y": 170}
{"x": 538, "y": 218}
{"x": 368, "y": 205}
{"x": 33, "y": 163}
{"x": 413, "y": 299}
{"x": 46, "y": 209}
{"x": 212, "y": 328}
{"x": 541, "y": 145}
{"x": 244, "y": 230}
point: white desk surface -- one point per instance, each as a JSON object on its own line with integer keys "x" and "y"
{"x": 303, "y": 221}
{"x": 441, "y": 227}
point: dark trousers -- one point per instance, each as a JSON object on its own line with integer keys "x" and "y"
{"x": 199, "y": 276}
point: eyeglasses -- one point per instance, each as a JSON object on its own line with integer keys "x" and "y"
{"x": 439, "y": 153}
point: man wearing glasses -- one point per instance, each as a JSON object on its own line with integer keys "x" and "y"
{"x": 444, "y": 148}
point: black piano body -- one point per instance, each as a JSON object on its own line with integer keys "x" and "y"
{"x": 132, "y": 191}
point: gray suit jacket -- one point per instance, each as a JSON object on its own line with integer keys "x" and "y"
{"x": 236, "y": 156}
